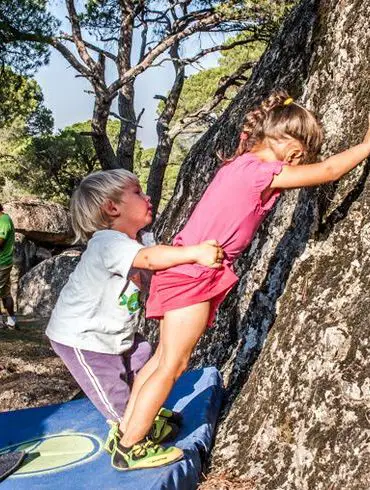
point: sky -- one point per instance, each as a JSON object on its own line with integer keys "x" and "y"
{"x": 65, "y": 94}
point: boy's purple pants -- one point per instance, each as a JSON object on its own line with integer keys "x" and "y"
{"x": 106, "y": 378}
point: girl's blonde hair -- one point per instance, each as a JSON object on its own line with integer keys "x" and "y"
{"x": 278, "y": 116}
{"x": 87, "y": 201}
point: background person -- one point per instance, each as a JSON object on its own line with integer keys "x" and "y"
{"x": 7, "y": 240}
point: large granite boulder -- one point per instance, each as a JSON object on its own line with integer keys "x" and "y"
{"x": 39, "y": 288}
{"x": 24, "y": 259}
{"x": 41, "y": 221}
{"x": 298, "y": 418}
{"x": 27, "y": 254}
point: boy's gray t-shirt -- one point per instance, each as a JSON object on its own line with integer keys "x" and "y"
{"x": 98, "y": 308}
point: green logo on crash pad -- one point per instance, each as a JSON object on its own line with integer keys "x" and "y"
{"x": 55, "y": 453}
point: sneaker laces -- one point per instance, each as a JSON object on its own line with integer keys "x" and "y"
{"x": 142, "y": 449}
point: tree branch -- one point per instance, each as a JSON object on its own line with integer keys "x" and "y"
{"x": 220, "y": 47}
{"x": 125, "y": 38}
{"x": 144, "y": 40}
{"x": 93, "y": 47}
{"x": 63, "y": 50}
{"x": 109, "y": 39}
{"x": 124, "y": 119}
{"x": 206, "y": 51}
{"x": 139, "y": 8}
{"x": 187, "y": 19}
{"x": 77, "y": 37}
{"x": 165, "y": 142}
{"x": 51, "y": 41}
{"x": 232, "y": 80}
{"x": 160, "y": 97}
{"x": 165, "y": 44}
{"x": 140, "y": 116}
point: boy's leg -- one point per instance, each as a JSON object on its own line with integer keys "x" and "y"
{"x": 102, "y": 377}
{"x": 137, "y": 357}
{"x": 181, "y": 331}
{"x": 139, "y": 380}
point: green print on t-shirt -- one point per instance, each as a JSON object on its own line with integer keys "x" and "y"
{"x": 132, "y": 302}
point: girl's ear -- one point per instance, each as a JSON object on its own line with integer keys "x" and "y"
{"x": 295, "y": 156}
{"x": 110, "y": 208}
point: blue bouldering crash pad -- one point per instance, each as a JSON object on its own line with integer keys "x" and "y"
{"x": 64, "y": 443}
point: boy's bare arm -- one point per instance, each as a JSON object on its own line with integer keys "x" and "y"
{"x": 162, "y": 256}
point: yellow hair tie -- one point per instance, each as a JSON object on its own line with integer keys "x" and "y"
{"x": 288, "y": 101}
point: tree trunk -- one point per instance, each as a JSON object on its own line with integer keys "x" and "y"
{"x": 102, "y": 145}
{"x": 165, "y": 142}
{"x": 298, "y": 417}
{"x": 127, "y": 135}
{"x": 158, "y": 167}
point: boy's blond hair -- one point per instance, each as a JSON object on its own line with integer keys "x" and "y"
{"x": 87, "y": 201}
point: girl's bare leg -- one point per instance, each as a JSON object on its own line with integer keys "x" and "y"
{"x": 181, "y": 331}
{"x": 144, "y": 373}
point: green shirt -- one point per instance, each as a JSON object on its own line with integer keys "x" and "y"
{"x": 7, "y": 234}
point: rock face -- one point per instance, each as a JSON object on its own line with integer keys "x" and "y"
{"x": 292, "y": 337}
{"x": 27, "y": 254}
{"x": 41, "y": 221}
{"x": 39, "y": 288}
{"x": 43, "y": 230}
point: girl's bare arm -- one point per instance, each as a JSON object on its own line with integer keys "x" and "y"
{"x": 331, "y": 169}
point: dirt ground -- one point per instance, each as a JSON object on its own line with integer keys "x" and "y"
{"x": 30, "y": 373}
{"x": 222, "y": 481}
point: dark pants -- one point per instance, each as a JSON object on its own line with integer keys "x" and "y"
{"x": 106, "y": 378}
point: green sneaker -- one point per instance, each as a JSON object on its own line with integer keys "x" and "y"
{"x": 114, "y": 436}
{"x": 173, "y": 417}
{"x": 162, "y": 430}
{"x": 165, "y": 427}
{"x": 144, "y": 454}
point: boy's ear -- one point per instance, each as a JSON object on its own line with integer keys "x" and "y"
{"x": 110, "y": 208}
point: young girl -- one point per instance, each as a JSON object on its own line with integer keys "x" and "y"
{"x": 93, "y": 325}
{"x": 276, "y": 138}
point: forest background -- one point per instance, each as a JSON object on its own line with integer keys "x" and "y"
{"x": 129, "y": 37}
